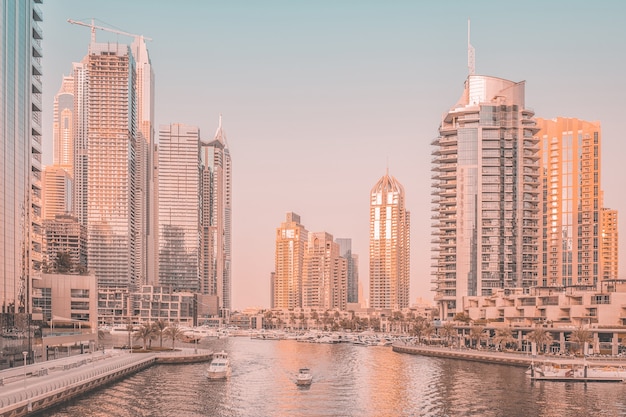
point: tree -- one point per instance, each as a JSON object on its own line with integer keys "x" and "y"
{"x": 145, "y": 333}
{"x": 448, "y": 331}
{"x": 476, "y": 334}
{"x": 159, "y": 328}
{"x": 130, "y": 328}
{"x": 64, "y": 262}
{"x": 173, "y": 333}
{"x": 541, "y": 337}
{"x": 462, "y": 317}
{"x": 581, "y": 338}
{"x": 503, "y": 337}
{"x": 422, "y": 328}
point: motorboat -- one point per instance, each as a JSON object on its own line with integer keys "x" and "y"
{"x": 304, "y": 377}
{"x": 219, "y": 368}
{"x": 575, "y": 371}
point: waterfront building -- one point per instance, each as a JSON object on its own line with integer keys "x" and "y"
{"x": 572, "y": 202}
{"x": 179, "y": 207}
{"x": 67, "y": 301}
{"x": 291, "y": 238}
{"x": 163, "y": 303}
{"x": 486, "y": 195}
{"x": 324, "y": 273}
{"x": 64, "y": 236}
{"x": 20, "y": 158}
{"x": 216, "y": 220}
{"x": 56, "y": 191}
{"x": 352, "y": 262}
{"x": 389, "y": 249}
{"x": 609, "y": 244}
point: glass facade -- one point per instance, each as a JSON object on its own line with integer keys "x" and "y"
{"x": 486, "y": 195}
{"x": 20, "y": 153}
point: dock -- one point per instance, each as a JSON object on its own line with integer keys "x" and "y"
{"x": 37, "y": 387}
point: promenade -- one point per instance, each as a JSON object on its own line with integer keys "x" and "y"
{"x": 43, "y": 385}
{"x": 522, "y": 359}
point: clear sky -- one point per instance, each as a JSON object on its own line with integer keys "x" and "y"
{"x": 320, "y": 97}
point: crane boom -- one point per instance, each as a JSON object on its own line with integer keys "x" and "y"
{"x": 94, "y": 27}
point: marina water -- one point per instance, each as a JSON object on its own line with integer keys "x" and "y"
{"x": 348, "y": 380}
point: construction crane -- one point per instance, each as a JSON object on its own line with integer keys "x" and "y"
{"x": 94, "y": 27}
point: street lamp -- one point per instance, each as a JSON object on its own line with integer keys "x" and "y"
{"x": 24, "y": 353}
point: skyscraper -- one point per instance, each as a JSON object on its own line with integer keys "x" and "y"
{"x": 352, "y": 260}
{"x": 63, "y": 125}
{"x": 572, "y": 202}
{"x": 179, "y": 206}
{"x": 20, "y": 158}
{"x": 324, "y": 274}
{"x": 56, "y": 191}
{"x": 389, "y": 246}
{"x": 107, "y": 166}
{"x": 291, "y": 238}
{"x": 216, "y": 220}
{"x": 486, "y": 194}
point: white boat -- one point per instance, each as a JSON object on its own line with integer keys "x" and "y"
{"x": 219, "y": 367}
{"x": 576, "y": 371}
{"x": 304, "y": 377}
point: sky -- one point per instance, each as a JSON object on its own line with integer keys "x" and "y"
{"x": 320, "y": 98}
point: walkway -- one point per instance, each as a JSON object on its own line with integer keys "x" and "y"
{"x": 42, "y": 385}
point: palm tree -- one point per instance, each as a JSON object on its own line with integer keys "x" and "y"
{"x": 476, "y": 334}
{"x": 145, "y": 333}
{"x": 581, "y": 338}
{"x": 422, "y": 328}
{"x": 173, "y": 333}
{"x": 462, "y": 317}
{"x": 130, "y": 328}
{"x": 541, "y": 337}
{"x": 503, "y": 337}
{"x": 448, "y": 331}
{"x": 159, "y": 328}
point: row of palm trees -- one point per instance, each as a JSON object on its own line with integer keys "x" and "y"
{"x": 159, "y": 329}
{"x": 504, "y": 339}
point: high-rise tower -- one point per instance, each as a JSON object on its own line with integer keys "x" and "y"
{"x": 179, "y": 206}
{"x": 389, "y": 245}
{"x": 216, "y": 220}
{"x": 291, "y": 238}
{"x": 324, "y": 273}
{"x": 572, "y": 202}
{"x": 107, "y": 167}
{"x": 20, "y": 155}
{"x": 352, "y": 259}
{"x": 486, "y": 194}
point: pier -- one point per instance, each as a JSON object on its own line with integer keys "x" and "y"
{"x": 36, "y": 387}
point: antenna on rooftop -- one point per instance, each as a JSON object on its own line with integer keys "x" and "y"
{"x": 471, "y": 60}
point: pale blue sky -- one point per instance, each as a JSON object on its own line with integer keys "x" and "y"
{"x": 318, "y": 98}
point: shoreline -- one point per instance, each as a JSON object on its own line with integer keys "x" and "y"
{"x": 502, "y": 358}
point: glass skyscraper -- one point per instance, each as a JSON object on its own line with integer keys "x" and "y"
{"x": 20, "y": 154}
{"x": 486, "y": 188}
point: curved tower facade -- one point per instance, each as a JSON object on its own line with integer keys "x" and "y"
{"x": 486, "y": 194}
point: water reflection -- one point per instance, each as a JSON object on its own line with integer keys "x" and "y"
{"x": 347, "y": 381}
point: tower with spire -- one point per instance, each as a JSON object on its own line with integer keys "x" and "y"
{"x": 389, "y": 245}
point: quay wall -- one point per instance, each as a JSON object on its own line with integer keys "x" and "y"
{"x": 467, "y": 355}
{"x": 55, "y": 388}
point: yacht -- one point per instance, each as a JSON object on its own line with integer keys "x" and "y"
{"x": 304, "y": 377}
{"x": 219, "y": 367}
